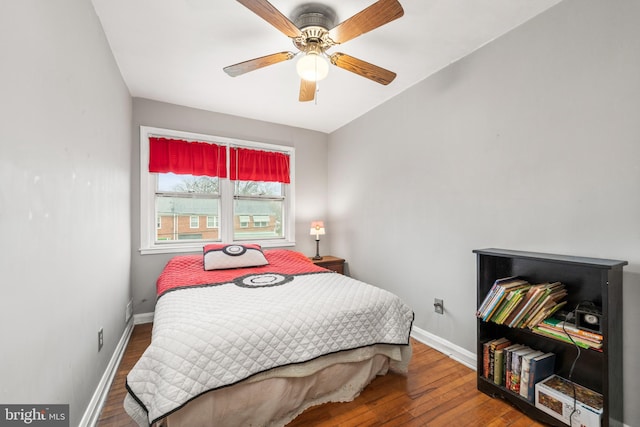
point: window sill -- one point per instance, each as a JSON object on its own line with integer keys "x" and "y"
{"x": 197, "y": 248}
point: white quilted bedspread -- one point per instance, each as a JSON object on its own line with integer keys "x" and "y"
{"x": 205, "y": 338}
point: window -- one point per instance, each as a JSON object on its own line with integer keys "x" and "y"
{"x": 212, "y": 221}
{"x": 243, "y": 221}
{"x": 260, "y": 201}
{"x": 181, "y": 199}
{"x": 261, "y": 221}
{"x": 228, "y": 189}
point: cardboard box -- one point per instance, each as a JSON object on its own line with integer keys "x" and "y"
{"x": 555, "y": 397}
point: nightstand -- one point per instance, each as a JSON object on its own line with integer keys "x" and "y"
{"x": 330, "y": 263}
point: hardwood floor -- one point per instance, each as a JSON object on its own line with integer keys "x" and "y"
{"x": 437, "y": 392}
{"x": 113, "y": 414}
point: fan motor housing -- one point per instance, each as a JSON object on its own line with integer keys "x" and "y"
{"x": 314, "y": 21}
{"x": 314, "y": 15}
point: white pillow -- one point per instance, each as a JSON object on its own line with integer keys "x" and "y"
{"x": 218, "y": 256}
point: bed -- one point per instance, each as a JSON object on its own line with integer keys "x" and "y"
{"x": 256, "y": 343}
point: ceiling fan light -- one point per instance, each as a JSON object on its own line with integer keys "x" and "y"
{"x": 312, "y": 67}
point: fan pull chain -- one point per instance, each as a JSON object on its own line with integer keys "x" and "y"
{"x": 315, "y": 95}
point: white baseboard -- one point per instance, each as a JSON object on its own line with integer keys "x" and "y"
{"x": 92, "y": 413}
{"x": 139, "y": 319}
{"x": 455, "y": 352}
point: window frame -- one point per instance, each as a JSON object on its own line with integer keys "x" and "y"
{"x": 148, "y": 184}
{"x": 260, "y": 222}
{"x": 212, "y": 221}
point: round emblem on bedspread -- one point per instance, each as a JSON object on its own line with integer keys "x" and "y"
{"x": 263, "y": 280}
{"x": 234, "y": 250}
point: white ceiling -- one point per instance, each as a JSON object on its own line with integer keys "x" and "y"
{"x": 174, "y": 51}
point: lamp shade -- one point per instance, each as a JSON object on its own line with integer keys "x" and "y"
{"x": 312, "y": 67}
{"x": 317, "y": 228}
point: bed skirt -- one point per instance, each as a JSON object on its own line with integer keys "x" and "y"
{"x": 276, "y": 397}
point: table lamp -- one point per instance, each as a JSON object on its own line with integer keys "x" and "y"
{"x": 317, "y": 228}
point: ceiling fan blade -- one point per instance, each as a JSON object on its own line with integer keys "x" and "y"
{"x": 374, "y": 16}
{"x": 253, "y": 64}
{"x": 362, "y": 68}
{"x": 273, "y": 16}
{"x": 307, "y": 90}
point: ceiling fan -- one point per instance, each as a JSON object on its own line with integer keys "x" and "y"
{"x": 313, "y": 32}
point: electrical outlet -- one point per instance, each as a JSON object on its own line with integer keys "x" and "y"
{"x": 100, "y": 339}
{"x": 438, "y": 306}
{"x": 128, "y": 312}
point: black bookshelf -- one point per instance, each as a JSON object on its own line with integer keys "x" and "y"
{"x": 586, "y": 279}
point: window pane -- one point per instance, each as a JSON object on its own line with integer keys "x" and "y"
{"x": 186, "y": 218}
{"x": 170, "y": 182}
{"x": 256, "y": 188}
{"x": 269, "y": 219}
{"x": 261, "y": 221}
{"x": 212, "y": 221}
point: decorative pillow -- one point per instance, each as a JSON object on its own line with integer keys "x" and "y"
{"x": 218, "y": 256}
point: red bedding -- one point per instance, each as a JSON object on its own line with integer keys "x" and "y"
{"x": 188, "y": 270}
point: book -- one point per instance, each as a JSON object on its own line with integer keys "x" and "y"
{"x": 516, "y": 368}
{"x": 490, "y": 295}
{"x": 488, "y": 349}
{"x": 551, "y": 294}
{"x": 496, "y": 299}
{"x": 563, "y": 326}
{"x": 513, "y": 297}
{"x": 540, "y": 367}
{"x": 496, "y": 345}
{"x": 561, "y": 336}
{"x": 596, "y": 343}
{"x": 493, "y": 303}
{"x": 550, "y": 305}
{"x": 507, "y": 362}
{"x": 533, "y": 310}
{"x": 498, "y": 373}
{"x": 521, "y": 309}
{"x": 485, "y": 358}
{"x": 538, "y": 292}
{"x": 510, "y": 298}
{"x": 525, "y": 370}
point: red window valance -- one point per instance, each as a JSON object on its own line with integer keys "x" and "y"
{"x": 184, "y": 157}
{"x": 257, "y": 165}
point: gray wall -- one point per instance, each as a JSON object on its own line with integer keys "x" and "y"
{"x": 310, "y": 178}
{"x": 64, "y": 203}
{"x": 530, "y": 143}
